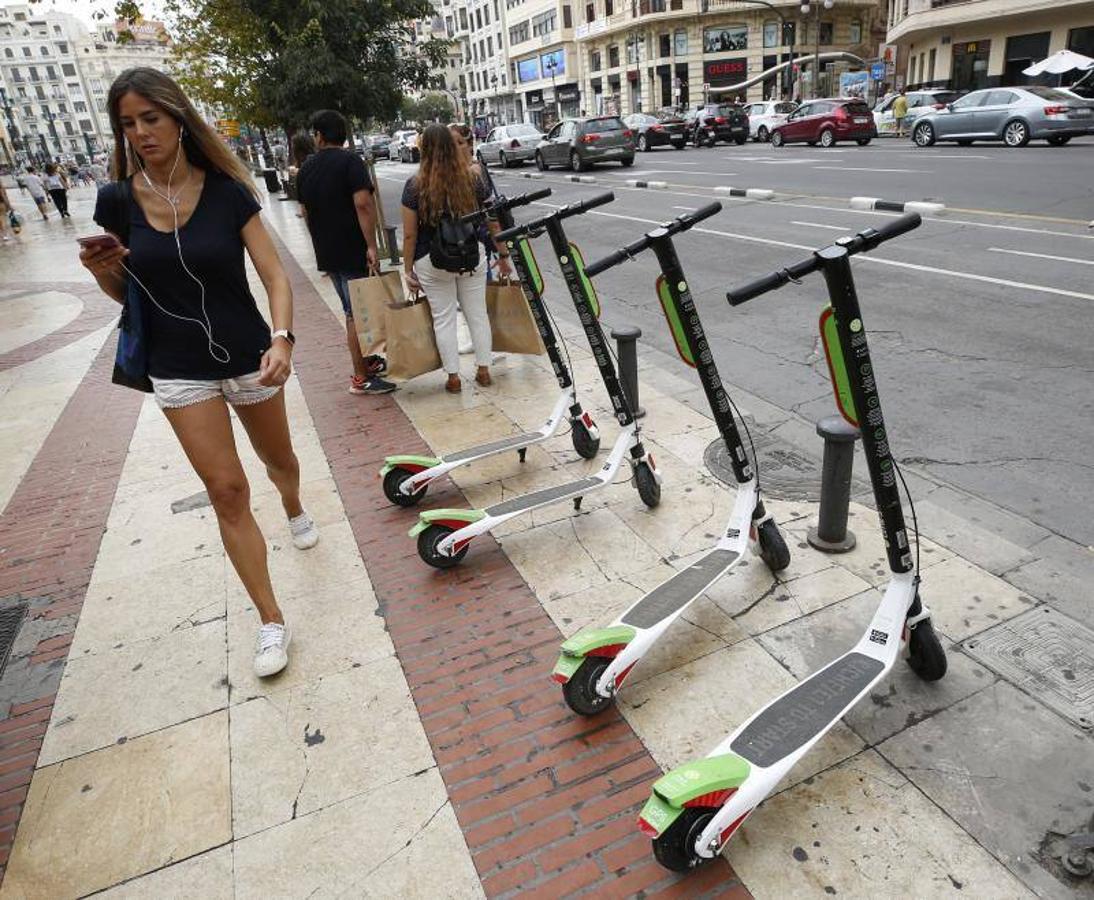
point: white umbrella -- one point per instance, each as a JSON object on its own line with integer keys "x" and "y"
{"x": 1060, "y": 62}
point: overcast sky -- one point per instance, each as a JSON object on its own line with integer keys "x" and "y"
{"x": 86, "y": 9}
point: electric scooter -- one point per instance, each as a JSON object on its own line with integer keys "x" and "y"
{"x": 694, "y": 809}
{"x": 595, "y": 662}
{"x": 406, "y": 478}
{"x": 444, "y": 534}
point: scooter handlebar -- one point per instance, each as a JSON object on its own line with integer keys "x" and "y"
{"x": 680, "y": 223}
{"x": 504, "y": 203}
{"x": 582, "y": 206}
{"x": 867, "y": 239}
{"x": 564, "y": 213}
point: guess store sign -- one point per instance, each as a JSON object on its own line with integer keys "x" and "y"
{"x": 719, "y": 73}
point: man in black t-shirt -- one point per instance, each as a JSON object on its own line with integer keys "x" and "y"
{"x": 336, "y": 193}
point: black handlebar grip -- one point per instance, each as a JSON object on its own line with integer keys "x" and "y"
{"x": 606, "y": 262}
{"x": 874, "y": 236}
{"x": 754, "y": 289}
{"x": 509, "y": 233}
{"x": 585, "y": 205}
{"x": 704, "y": 213}
{"x": 525, "y": 199}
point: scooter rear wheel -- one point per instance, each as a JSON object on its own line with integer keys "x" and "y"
{"x": 675, "y": 848}
{"x": 393, "y": 480}
{"x": 646, "y": 482}
{"x": 585, "y": 444}
{"x": 926, "y": 655}
{"x": 427, "y": 548}
{"x": 773, "y": 549}
{"x": 580, "y": 691}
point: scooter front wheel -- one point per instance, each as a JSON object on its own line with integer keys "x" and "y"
{"x": 926, "y": 655}
{"x": 580, "y": 691}
{"x": 393, "y": 481}
{"x": 427, "y": 548}
{"x": 646, "y": 482}
{"x": 773, "y": 549}
{"x": 585, "y": 444}
{"x": 675, "y": 847}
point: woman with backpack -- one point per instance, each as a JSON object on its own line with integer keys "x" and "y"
{"x": 441, "y": 257}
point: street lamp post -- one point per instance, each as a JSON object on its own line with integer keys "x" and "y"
{"x": 828, "y": 4}
{"x": 552, "y": 65}
{"x": 783, "y": 20}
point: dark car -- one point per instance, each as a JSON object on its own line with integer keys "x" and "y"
{"x": 713, "y": 122}
{"x": 661, "y": 130}
{"x": 578, "y": 143}
{"x": 825, "y": 122}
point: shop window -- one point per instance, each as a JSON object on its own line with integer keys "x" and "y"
{"x": 664, "y": 45}
{"x": 856, "y": 31}
{"x": 567, "y": 17}
{"x": 826, "y": 33}
{"x": 594, "y": 61}
{"x": 680, "y": 42}
{"x": 771, "y": 34}
{"x": 931, "y": 60}
{"x": 613, "y": 56}
{"x": 1081, "y": 40}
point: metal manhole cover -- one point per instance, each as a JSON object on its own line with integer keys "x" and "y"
{"x": 785, "y": 472}
{"x": 1046, "y": 654}
{"x": 11, "y": 619}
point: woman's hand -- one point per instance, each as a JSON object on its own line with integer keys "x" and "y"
{"x": 103, "y": 261}
{"x": 276, "y": 363}
{"x": 505, "y": 268}
{"x": 412, "y": 281}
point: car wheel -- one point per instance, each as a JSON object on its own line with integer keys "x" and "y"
{"x": 712, "y": 140}
{"x": 627, "y": 161}
{"x": 923, "y": 134}
{"x": 827, "y": 138}
{"x": 643, "y": 143}
{"x": 739, "y": 141}
{"x": 1016, "y": 133}
{"x": 1058, "y": 140}
{"x": 762, "y": 134}
{"x": 541, "y": 164}
{"x": 679, "y": 145}
{"x": 777, "y": 138}
{"x": 862, "y": 142}
{"x": 576, "y": 162}
{"x": 503, "y": 161}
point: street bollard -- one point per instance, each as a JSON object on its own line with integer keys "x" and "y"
{"x": 392, "y": 245}
{"x": 626, "y": 340}
{"x": 831, "y": 534}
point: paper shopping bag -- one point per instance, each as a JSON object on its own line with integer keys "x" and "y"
{"x": 411, "y": 343}
{"x": 512, "y": 326}
{"x": 370, "y": 297}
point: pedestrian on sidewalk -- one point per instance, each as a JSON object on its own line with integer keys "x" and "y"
{"x": 37, "y": 191}
{"x": 335, "y": 191}
{"x": 465, "y": 143}
{"x": 303, "y": 146}
{"x": 5, "y": 211}
{"x": 445, "y": 187}
{"x": 57, "y": 183}
{"x": 188, "y": 209}
{"x": 900, "y": 112}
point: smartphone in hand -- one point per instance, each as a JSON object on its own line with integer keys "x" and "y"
{"x": 99, "y": 242}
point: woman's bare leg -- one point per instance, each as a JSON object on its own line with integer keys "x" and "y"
{"x": 267, "y": 426}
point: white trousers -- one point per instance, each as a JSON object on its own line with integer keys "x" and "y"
{"x": 448, "y": 292}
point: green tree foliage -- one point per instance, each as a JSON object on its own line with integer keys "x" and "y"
{"x": 432, "y": 107}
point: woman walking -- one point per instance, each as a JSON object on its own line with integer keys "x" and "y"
{"x": 57, "y": 185}
{"x": 190, "y": 211}
{"x": 445, "y": 187}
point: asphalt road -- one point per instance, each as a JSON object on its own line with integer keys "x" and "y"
{"x": 980, "y": 325}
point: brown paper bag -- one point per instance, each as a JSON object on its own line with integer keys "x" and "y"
{"x": 370, "y": 298}
{"x": 511, "y": 324}
{"x": 411, "y": 343}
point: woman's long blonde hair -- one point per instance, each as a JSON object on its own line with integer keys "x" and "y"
{"x": 445, "y": 183}
{"x": 201, "y": 144}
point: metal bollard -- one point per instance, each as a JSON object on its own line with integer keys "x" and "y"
{"x": 831, "y": 534}
{"x": 626, "y": 340}
{"x": 392, "y": 245}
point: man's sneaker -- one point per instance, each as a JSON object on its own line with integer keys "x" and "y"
{"x": 271, "y": 649}
{"x": 304, "y": 533}
{"x": 375, "y": 365}
{"x": 373, "y": 385}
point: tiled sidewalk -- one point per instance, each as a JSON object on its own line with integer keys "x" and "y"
{"x": 415, "y": 746}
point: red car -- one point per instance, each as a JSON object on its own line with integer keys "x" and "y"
{"x": 825, "y": 122}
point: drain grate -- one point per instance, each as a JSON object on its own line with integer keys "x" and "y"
{"x": 11, "y": 620}
{"x": 1046, "y": 654}
{"x": 785, "y": 472}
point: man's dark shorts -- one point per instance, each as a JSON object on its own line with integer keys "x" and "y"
{"x": 341, "y": 281}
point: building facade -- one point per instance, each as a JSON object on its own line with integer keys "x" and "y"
{"x": 984, "y": 43}
{"x": 544, "y": 63}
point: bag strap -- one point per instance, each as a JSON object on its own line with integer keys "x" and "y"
{"x": 121, "y": 198}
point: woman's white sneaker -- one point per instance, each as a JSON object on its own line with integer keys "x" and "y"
{"x": 271, "y": 649}
{"x": 305, "y": 534}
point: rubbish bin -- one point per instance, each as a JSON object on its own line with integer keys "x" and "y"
{"x": 273, "y": 183}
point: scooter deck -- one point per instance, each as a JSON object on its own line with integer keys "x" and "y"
{"x": 679, "y": 590}
{"x": 797, "y": 717}
{"x": 544, "y": 496}
{"x": 514, "y": 442}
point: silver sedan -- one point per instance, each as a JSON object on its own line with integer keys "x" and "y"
{"x": 509, "y": 145}
{"x": 1013, "y": 115}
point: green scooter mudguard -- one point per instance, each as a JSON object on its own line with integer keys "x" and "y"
{"x": 676, "y": 327}
{"x": 413, "y": 463}
{"x": 708, "y": 781}
{"x": 590, "y": 291}
{"x": 523, "y": 247}
{"x": 585, "y": 643}
{"x": 452, "y": 517}
{"x": 837, "y": 366}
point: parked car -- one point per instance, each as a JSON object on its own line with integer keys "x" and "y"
{"x": 578, "y": 143}
{"x": 919, "y": 102}
{"x": 378, "y": 145}
{"x": 1079, "y": 91}
{"x": 1013, "y": 115}
{"x": 660, "y": 130}
{"x": 762, "y": 117}
{"x": 398, "y": 140}
{"x": 510, "y": 144}
{"x": 826, "y": 122}
{"x": 713, "y": 122}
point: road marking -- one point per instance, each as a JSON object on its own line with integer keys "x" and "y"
{"x": 864, "y": 169}
{"x": 687, "y": 208}
{"x": 819, "y": 225}
{"x": 934, "y": 270}
{"x": 1081, "y": 262}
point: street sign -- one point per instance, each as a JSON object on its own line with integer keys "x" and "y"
{"x": 877, "y": 71}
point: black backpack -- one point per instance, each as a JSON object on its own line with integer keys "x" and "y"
{"x": 454, "y": 246}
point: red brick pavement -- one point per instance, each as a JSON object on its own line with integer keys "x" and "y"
{"x": 49, "y": 538}
{"x": 547, "y": 801}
